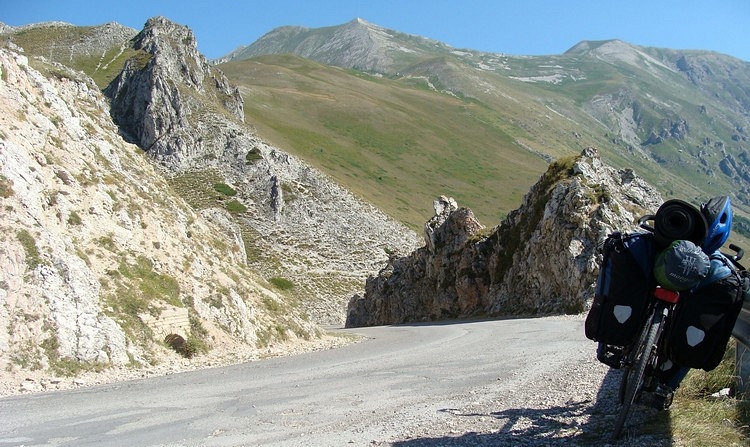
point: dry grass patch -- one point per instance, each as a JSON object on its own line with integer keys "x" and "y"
{"x": 697, "y": 419}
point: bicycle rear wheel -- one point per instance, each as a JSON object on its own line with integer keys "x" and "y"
{"x": 631, "y": 357}
{"x": 634, "y": 376}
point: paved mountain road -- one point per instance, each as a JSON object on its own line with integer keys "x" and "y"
{"x": 409, "y": 385}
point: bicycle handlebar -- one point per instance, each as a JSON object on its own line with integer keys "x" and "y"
{"x": 738, "y": 253}
{"x": 642, "y": 222}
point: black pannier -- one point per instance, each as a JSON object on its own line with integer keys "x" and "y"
{"x": 623, "y": 287}
{"x": 705, "y": 317}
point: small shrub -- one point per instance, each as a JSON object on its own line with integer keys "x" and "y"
{"x": 236, "y": 207}
{"x": 107, "y": 242}
{"x": 273, "y": 305}
{"x": 83, "y": 256}
{"x": 71, "y": 367}
{"x": 28, "y": 356}
{"x": 281, "y": 283}
{"x": 601, "y": 194}
{"x": 215, "y": 301}
{"x": 74, "y": 219}
{"x": 252, "y": 156}
{"x": 195, "y": 346}
{"x": 196, "y": 327}
{"x": 225, "y": 189}
{"x": 6, "y": 189}
{"x": 29, "y": 245}
{"x": 150, "y": 283}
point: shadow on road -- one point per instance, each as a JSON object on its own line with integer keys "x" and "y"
{"x": 576, "y": 423}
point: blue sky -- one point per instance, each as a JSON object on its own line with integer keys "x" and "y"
{"x": 529, "y": 27}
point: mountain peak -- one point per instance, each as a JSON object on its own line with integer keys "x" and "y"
{"x": 616, "y": 51}
{"x": 587, "y": 46}
{"x": 357, "y": 44}
{"x": 361, "y": 21}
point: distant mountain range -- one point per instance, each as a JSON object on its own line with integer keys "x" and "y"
{"x": 679, "y": 118}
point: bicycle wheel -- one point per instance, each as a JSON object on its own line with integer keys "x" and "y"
{"x": 631, "y": 357}
{"x": 633, "y": 380}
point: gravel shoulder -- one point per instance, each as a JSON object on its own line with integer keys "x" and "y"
{"x": 573, "y": 405}
{"x": 14, "y": 383}
{"x": 568, "y": 400}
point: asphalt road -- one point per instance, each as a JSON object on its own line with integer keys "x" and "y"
{"x": 381, "y": 389}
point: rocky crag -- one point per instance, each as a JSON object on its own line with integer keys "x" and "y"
{"x": 303, "y": 227}
{"x": 168, "y": 101}
{"x": 542, "y": 259}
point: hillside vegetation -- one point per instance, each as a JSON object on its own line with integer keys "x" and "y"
{"x": 483, "y": 126}
{"x": 99, "y": 252}
{"x": 396, "y": 144}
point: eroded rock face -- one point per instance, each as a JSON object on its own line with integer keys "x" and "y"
{"x": 92, "y": 235}
{"x": 541, "y": 259}
{"x": 170, "y": 102}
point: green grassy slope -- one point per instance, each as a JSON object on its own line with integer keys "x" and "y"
{"x": 78, "y": 47}
{"x": 396, "y": 144}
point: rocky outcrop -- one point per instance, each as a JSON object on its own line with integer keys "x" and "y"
{"x": 170, "y": 102}
{"x": 542, "y": 259}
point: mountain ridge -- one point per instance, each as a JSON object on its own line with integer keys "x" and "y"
{"x": 584, "y": 103}
{"x": 654, "y": 109}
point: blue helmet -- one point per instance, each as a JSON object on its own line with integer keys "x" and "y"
{"x": 718, "y": 214}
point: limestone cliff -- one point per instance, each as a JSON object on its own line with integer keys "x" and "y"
{"x": 541, "y": 259}
{"x": 97, "y": 249}
{"x": 109, "y": 259}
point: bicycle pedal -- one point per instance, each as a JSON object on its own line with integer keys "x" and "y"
{"x": 610, "y": 355}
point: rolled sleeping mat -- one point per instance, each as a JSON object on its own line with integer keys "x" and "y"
{"x": 678, "y": 220}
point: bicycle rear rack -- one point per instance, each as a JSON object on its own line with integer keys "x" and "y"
{"x": 670, "y": 296}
